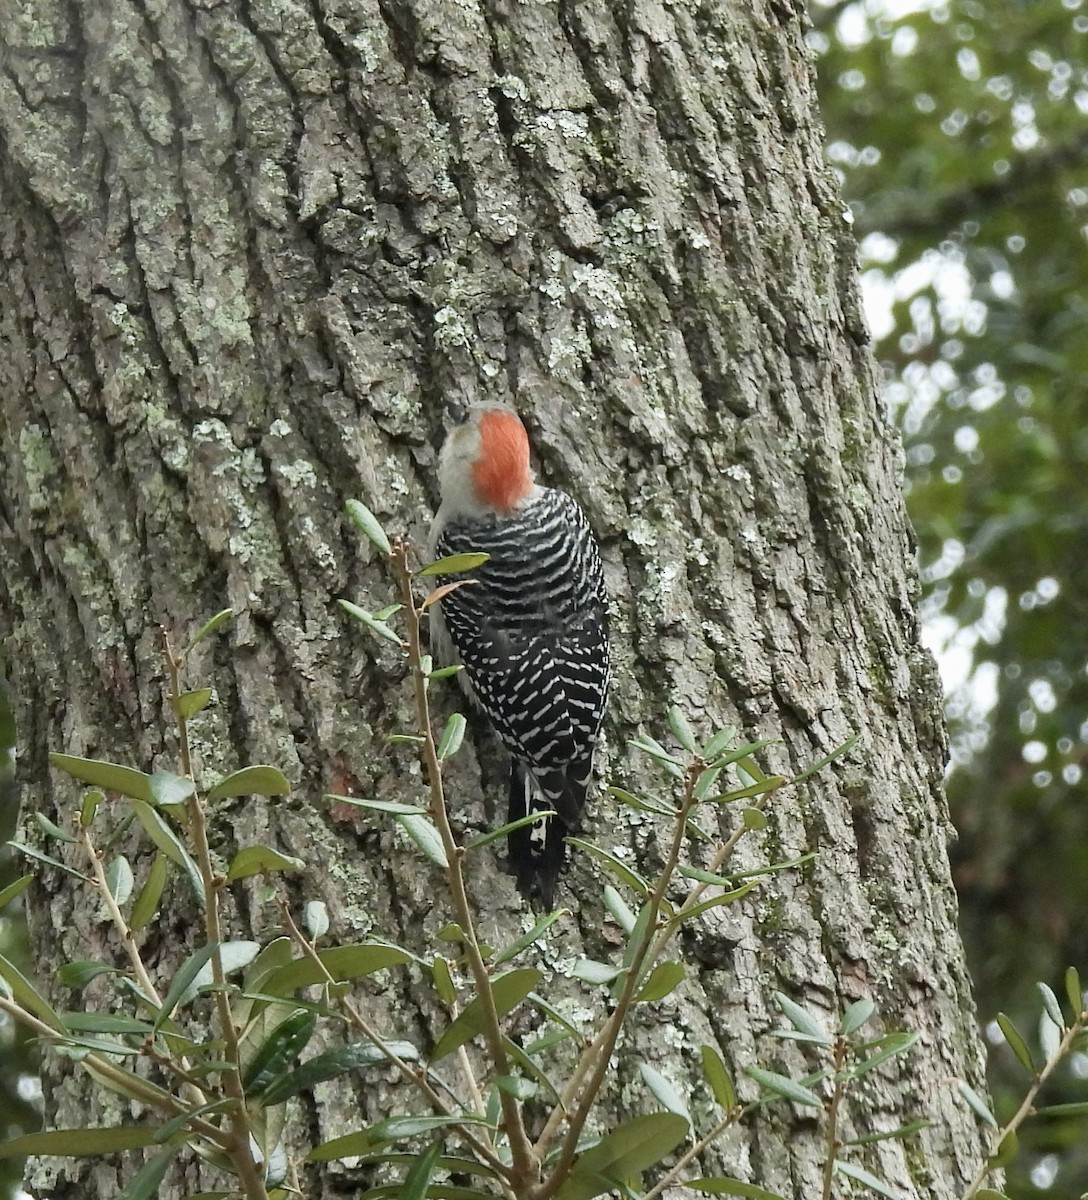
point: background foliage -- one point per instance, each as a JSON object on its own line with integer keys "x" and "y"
{"x": 961, "y": 136}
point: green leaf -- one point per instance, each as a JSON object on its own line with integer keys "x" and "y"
{"x": 53, "y": 830}
{"x": 588, "y": 970}
{"x": 415, "y": 1182}
{"x": 622, "y": 871}
{"x": 782, "y": 1085}
{"x": 665, "y": 1091}
{"x": 1016, "y": 1042}
{"x": 190, "y": 703}
{"x": 425, "y": 834}
{"x": 1074, "y": 991}
{"x": 681, "y": 730}
{"x": 148, "y": 1179}
{"x": 397, "y": 1129}
{"x": 120, "y": 880}
{"x": 520, "y": 1057}
{"x": 1006, "y": 1152}
{"x": 147, "y": 902}
{"x": 27, "y": 995}
{"x": 386, "y": 806}
{"x": 903, "y": 1131}
{"x": 802, "y": 1020}
{"x": 654, "y": 749}
{"x": 990, "y": 1194}
{"x": 889, "y": 1047}
{"x": 721, "y": 1185}
{"x": 445, "y": 672}
{"x": 89, "y": 806}
{"x": 507, "y": 992}
{"x": 14, "y": 889}
{"x": 252, "y": 781}
{"x": 976, "y": 1102}
{"x": 820, "y": 763}
{"x": 641, "y": 805}
{"x": 443, "y": 981}
{"x": 1076, "y": 1108}
{"x": 1050, "y": 1003}
{"x": 517, "y": 1086}
{"x": 261, "y": 860}
{"x": 665, "y": 978}
{"x": 169, "y": 843}
{"x": 79, "y": 1143}
{"x": 452, "y": 737}
{"x": 209, "y": 626}
{"x": 341, "y": 962}
{"x": 175, "y": 1125}
{"x": 454, "y": 564}
{"x": 871, "y": 1181}
{"x": 168, "y": 788}
{"x": 717, "y": 1076}
{"x": 618, "y": 909}
{"x": 38, "y": 856}
{"x": 79, "y": 974}
{"x": 717, "y": 743}
{"x": 368, "y": 525}
{"x": 774, "y": 868}
{"x": 627, "y": 1151}
{"x": 855, "y": 1016}
{"x": 555, "y": 1015}
{"x": 109, "y": 776}
{"x": 714, "y": 902}
{"x": 503, "y": 830}
{"x": 184, "y": 977}
{"x": 278, "y": 1051}
{"x": 754, "y": 819}
{"x": 375, "y": 626}
{"x": 527, "y": 939}
{"x": 316, "y": 919}
{"x": 93, "y": 1022}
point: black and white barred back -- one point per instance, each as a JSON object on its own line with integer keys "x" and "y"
{"x": 531, "y": 632}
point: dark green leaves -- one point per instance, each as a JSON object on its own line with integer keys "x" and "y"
{"x": 508, "y": 991}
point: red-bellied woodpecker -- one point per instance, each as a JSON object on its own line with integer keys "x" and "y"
{"x": 530, "y": 630}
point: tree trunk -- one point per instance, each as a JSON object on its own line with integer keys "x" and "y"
{"x": 249, "y": 250}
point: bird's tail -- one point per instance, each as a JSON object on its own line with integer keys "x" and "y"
{"x": 537, "y": 851}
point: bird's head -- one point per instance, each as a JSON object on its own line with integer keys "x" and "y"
{"x": 484, "y": 464}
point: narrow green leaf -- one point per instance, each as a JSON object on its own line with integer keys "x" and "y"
{"x": 820, "y": 763}
{"x": 517, "y": 1086}
{"x": 445, "y": 672}
{"x": 1050, "y": 1003}
{"x": 190, "y": 703}
{"x": 79, "y": 974}
{"x": 79, "y": 1143}
{"x": 1006, "y": 1151}
{"x": 89, "y": 806}
{"x": 14, "y": 889}
{"x": 368, "y": 525}
{"x": 774, "y": 868}
{"x": 93, "y": 1022}
{"x": 179, "y": 985}
{"x": 77, "y": 1048}
{"x": 653, "y": 749}
{"x": 175, "y": 1125}
{"x": 454, "y": 564}
{"x": 252, "y": 781}
{"x": 147, "y": 902}
{"x": 398, "y": 1129}
{"x": 889, "y": 1047}
{"x": 507, "y": 992}
{"x": 520, "y": 1057}
{"x": 38, "y": 856}
{"x": 1075, "y": 1108}
{"x": 284, "y": 1043}
{"x": 209, "y": 626}
{"x": 639, "y": 804}
{"x": 714, "y": 902}
{"x": 555, "y": 1015}
{"x": 903, "y": 1131}
{"x": 720, "y": 1185}
{"x": 503, "y": 830}
{"x": 588, "y": 970}
{"x": 415, "y": 1182}
{"x": 443, "y": 981}
{"x": 802, "y": 1020}
{"x": 871, "y": 1181}
{"x": 386, "y": 806}
{"x": 53, "y": 830}
{"x": 782, "y": 1085}
{"x": 120, "y": 880}
{"x": 169, "y": 843}
{"x": 717, "y": 1076}
{"x": 341, "y": 962}
{"x": 403, "y": 739}
{"x": 617, "y": 907}
{"x": 28, "y": 995}
{"x": 976, "y": 1102}
{"x": 735, "y": 755}
{"x": 377, "y": 627}
{"x": 665, "y": 1091}
{"x": 666, "y": 977}
{"x": 704, "y": 785}
{"x": 1016, "y": 1042}
{"x": 1073, "y": 991}
{"x": 452, "y": 737}
{"x": 855, "y": 1016}
{"x": 425, "y": 834}
{"x": 681, "y": 730}
{"x": 168, "y": 788}
{"x": 1050, "y": 1037}
{"x": 622, "y": 871}
{"x": 990, "y": 1194}
{"x": 528, "y": 939}
{"x": 261, "y": 860}
{"x": 626, "y": 1151}
{"x": 109, "y": 776}
{"x": 148, "y": 1179}
{"x": 717, "y": 743}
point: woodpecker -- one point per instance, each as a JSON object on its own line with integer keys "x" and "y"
{"x": 530, "y": 630}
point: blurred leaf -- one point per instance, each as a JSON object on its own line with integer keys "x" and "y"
{"x": 665, "y": 1091}
{"x": 316, "y": 919}
{"x": 167, "y": 840}
{"x": 782, "y": 1085}
{"x": 1074, "y": 991}
{"x": 79, "y": 1143}
{"x": 120, "y": 880}
{"x": 147, "y": 902}
{"x": 902, "y": 1131}
{"x": 495, "y": 835}
{"x": 278, "y": 1051}
{"x": 720, "y": 1185}
{"x": 870, "y": 1180}
{"x": 79, "y": 974}
{"x": 369, "y": 525}
{"x": 386, "y": 806}
{"x": 802, "y": 1020}
{"x": 626, "y": 1151}
{"x": 754, "y": 819}
{"x": 621, "y": 870}
{"x": 190, "y": 703}
{"x": 665, "y": 978}
{"x": 109, "y": 776}
{"x": 168, "y": 788}
{"x": 887, "y": 1047}
{"x": 681, "y": 730}
{"x": 528, "y": 939}
{"x": 1016, "y": 1042}
{"x": 1051, "y": 1005}
{"x": 28, "y": 996}
{"x": 341, "y": 962}
{"x": 855, "y": 1016}
{"x": 618, "y": 909}
{"x": 507, "y": 992}
{"x": 38, "y": 856}
{"x": 52, "y": 830}
{"x": 588, "y": 970}
{"x": 209, "y": 626}
{"x": 148, "y": 1179}
{"x": 415, "y": 1182}
{"x": 184, "y": 977}
{"x": 452, "y": 737}
{"x": 252, "y": 781}
{"x": 258, "y": 860}
{"x": 454, "y": 564}
{"x": 717, "y": 1076}
{"x": 425, "y": 834}
{"x": 13, "y": 890}
{"x": 377, "y": 627}
{"x": 976, "y": 1102}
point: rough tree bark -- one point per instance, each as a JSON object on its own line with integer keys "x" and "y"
{"x": 248, "y": 250}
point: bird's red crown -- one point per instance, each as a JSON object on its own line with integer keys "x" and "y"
{"x": 501, "y": 470}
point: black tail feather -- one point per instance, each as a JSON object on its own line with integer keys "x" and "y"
{"x": 536, "y": 853}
